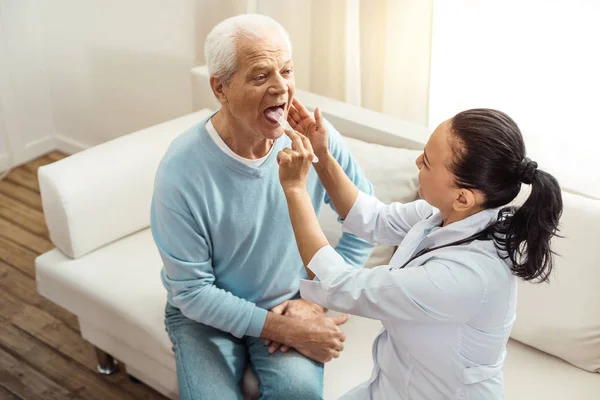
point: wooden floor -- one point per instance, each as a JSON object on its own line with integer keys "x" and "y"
{"x": 42, "y": 355}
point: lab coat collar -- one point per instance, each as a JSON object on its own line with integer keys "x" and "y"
{"x": 457, "y": 230}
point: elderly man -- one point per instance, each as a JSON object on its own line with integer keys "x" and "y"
{"x": 220, "y": 222}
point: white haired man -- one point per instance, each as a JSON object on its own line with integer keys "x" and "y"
{"x": 221, "y": 224}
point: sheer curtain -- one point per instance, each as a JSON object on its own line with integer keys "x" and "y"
{"x": 372, "y": 53}
{"x": 539, "y": 61}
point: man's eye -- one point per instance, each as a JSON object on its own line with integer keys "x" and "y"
{"x": 288, "y": 71}
{"x": 260, "y": 77}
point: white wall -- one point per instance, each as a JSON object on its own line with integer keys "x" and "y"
{"x": 26, "y": 127}
{"x": 74, "y": 73}
{"x": 5, "y": 158}
{"x": 117, "y": 66}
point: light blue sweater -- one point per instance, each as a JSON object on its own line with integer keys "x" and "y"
{"x": 224, "y": 234}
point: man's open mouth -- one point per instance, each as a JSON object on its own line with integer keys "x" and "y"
{"x": 275, "y": 112}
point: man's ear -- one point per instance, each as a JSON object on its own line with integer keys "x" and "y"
{"x": 216, "y": 84}
{"x": 465, "y": 200}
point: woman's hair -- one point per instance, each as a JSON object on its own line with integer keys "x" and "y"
{"x": 489, "y": 156}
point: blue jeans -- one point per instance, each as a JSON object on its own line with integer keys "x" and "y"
{"x": 211, "y": 364}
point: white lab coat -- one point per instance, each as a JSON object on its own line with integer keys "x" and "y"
{"x": 446, "y": 317}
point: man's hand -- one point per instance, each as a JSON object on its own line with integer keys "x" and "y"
{"x": 318, "y": 338}
{"x": 322, "y": 339}
{"x": 299, "y": 308}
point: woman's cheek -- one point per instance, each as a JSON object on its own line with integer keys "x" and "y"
{"x": 420, "y": 183}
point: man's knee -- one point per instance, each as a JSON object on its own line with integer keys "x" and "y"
{"x": 301, "y": 380}
{"x": 299, "y": 388}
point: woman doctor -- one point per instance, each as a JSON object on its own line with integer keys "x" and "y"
{"x": 447, "y": 300}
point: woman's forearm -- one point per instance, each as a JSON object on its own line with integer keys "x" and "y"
{"x": 341, "y": 190}
{"x": 309, "y": 236}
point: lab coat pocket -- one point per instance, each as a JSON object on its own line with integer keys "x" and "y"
{"x": 471, "y": 375}
{"x": 475, "y": 373}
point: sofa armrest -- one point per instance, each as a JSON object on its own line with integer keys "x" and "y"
{"x": 102, "y": 194}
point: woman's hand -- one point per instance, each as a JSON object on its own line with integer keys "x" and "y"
{"x": 312, "y": 127}
{"x": 295, "y": 163}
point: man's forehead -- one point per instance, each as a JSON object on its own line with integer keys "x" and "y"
{"x": 275, "y": 49}
{"x": 267, "y": 62}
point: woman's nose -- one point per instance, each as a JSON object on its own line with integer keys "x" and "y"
{"x": 419, "y": 161}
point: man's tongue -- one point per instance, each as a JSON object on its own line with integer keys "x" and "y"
{"x": 273, "y": 113}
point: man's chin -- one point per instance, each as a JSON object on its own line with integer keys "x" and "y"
{"x": 273, "y": 133}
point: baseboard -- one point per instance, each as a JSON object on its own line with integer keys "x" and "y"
{"x": 39, "y": 147}
{"x": 31, "y": 151}
{"x": 69, "y": 146}
{"x": 5, "y": 163}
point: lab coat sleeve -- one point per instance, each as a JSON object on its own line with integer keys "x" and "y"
{"x": 439, "y": 290}
{"x": 378, "y": 223}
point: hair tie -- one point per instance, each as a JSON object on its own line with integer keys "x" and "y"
{"x": 526, "y": 170}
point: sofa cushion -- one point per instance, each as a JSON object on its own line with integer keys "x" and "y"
{"x": 533, "y": 374}
{"x": 116, "y": 286}
{"x": 393, "y": 173}
{"x": 83, "y": 217}
{"x": 119, "y": 287}
{"x": 563, "y": 317}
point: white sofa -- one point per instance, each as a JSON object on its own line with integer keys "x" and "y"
{"x": 105, "y": 267}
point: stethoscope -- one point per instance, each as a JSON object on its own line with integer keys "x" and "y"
{"x": 483, "y": 235}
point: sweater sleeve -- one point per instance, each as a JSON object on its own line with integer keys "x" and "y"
{"x": 189, "y": 276}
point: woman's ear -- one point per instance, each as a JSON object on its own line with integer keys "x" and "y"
{"x": 218, "y": 89}
{"x": 465, "y": 200}
{"x": 468, "y": 200}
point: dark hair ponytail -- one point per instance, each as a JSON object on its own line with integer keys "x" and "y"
{"x": 490, "y": 157}
{"x": 526, "y": 232}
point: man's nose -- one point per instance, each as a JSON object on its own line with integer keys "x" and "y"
{"x": 279, "y": 85}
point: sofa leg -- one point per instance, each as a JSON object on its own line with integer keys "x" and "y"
{"x": 106, "y": 363}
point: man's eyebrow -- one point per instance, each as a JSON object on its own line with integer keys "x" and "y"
{"x": 256, "y": 68}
